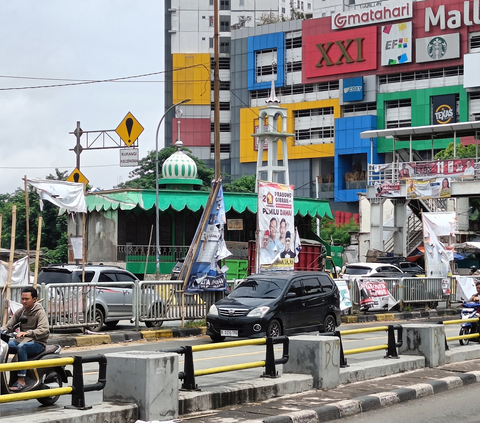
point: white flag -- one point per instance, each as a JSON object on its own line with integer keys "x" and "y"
{"x": 66, "y": 195}
{"x": 298, "y": 245}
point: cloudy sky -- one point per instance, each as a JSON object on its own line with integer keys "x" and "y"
{"x": 58, "y": 42}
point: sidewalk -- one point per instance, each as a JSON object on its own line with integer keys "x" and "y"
{"x": 115, "y": 336}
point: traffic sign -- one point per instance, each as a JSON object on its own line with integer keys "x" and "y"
{"x": 76, "y": 176}
{"x": 129, "y": 129}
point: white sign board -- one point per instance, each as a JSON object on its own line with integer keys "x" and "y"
{"x": 129, "y": 157}
{"x": 396, "y": 44}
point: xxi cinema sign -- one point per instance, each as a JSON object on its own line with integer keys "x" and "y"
{"x": 339, "y": 52}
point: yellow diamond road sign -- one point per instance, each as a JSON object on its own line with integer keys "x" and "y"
{"x": 129, "y": 129}
{"x": 77, "y": 176}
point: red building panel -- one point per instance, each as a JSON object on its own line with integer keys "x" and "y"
{"x": 193, "y": 132}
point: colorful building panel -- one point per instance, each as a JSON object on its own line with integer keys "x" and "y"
{"x": 191, "y": 78}
{"x": 194, "y": 132}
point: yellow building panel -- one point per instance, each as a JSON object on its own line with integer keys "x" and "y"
{"x": 249, "y": 118}
{"x": 191, "y": 78}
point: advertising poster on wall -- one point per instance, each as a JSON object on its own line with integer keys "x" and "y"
{"x": 396, "y": 44}
{"x": 374, "y": 294}
{"x": 387, "y": 189}
{"x": 444, "y": 109}
{"x": 430, "y": 188}
{"x": 432, "y": 49}
{"x": 454, "y": 168}
{"x": 205, "y": 274}
{"x": 438, "y": 241}
{"x": 276, "y": 231}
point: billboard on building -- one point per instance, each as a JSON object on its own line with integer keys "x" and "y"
{"x": 337, "y": 53}
{"x": 444, "y": 109}
{"x": 396, "y": 44}
{"x": 276, "y": 227}
{"x": 433, "y": 49}
{"x": 453, "y": 168}
{"x": 353, "y": 89}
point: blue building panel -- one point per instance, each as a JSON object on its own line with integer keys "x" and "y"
{"x": 266, "y": 42}
{"x": 351, "y": 151}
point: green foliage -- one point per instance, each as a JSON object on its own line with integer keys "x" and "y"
{"x": 143, "y": 177}
{"x": 54, "y": 230}
{"x": 461, "y": 152}
{"x": 246, "y": 183}
{"x": 340, "y": 234}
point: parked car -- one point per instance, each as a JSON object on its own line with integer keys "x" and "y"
{"x": 409, "y": 267}
{"x": 112, "y": 303}
{"x": 274, "y": 304}
{"x": 372, "y": 270}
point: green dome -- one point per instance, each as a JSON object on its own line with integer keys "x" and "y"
{"x": 179, "y": 165}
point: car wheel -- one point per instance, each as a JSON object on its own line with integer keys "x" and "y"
{"x": 329, "y": 324}
{"x": 154, "y": 324}
{"x": 464, "y": 331}
{"x": 53, "y": 380}
{"x": 274, "y": 329}
{"x": 432, "y": 305}
{"x": 217, "y": 338}
{"x": 99, "y": 320}
{"x": 112, "y": 324}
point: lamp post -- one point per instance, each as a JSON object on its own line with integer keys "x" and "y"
{"x": 157, "y": 217}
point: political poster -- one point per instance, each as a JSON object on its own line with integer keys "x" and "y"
{"x": 387, "y": 189}
{"x": 374, "y": 294}
{"x": 276, "y": 231}
{"x": 345, "y": 300}
{"x": 205, "y": 274}
{"x": 452, "y": 168}
{"x": 430, "y": 188}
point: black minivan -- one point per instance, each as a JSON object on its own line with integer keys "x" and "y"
{"x": 276, "y": 303}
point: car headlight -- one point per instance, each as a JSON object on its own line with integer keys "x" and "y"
{"x": 259, "y": 312}
{"x": 213, "y": 311}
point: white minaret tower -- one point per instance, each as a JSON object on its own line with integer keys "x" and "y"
{"x": 269, "y": 135}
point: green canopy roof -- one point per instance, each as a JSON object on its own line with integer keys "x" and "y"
{"x": 193, "y": 200}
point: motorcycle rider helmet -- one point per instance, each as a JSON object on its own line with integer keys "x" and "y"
{"x": 473, "y": 269}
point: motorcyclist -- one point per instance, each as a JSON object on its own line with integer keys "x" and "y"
{"x": 474, "y": 271}
{"x": 476, "y": 297}
{"x": 33, "y": 335}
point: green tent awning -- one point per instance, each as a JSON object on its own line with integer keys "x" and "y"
{"x": 193, "y": 200}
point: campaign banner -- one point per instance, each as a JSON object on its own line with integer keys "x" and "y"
{"x": 455, "y": 168}
{"x": 345, "y": 300}
{"x": 276, "y": 228}
{"x": 387, "y": 189}
{"x": 374, "y": 294}
{"x": 465, "y": 287}
{"x": 205, "y": 274}
{"x": 431, "y": 188}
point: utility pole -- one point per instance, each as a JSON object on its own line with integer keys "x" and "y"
{"x": 216, "y": 91}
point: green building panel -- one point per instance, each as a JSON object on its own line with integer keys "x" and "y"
{"x": 421, "y": 109}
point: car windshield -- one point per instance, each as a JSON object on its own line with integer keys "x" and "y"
{"x": 258, "y": 288}
{"x": 357, "y": 270}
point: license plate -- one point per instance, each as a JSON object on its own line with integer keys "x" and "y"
{"x": 229, "y": 333}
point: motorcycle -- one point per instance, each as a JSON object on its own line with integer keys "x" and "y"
{"x": 38, "y": 379}
{"x": 469, "y": 311}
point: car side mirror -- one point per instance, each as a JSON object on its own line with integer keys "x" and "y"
{"x": 290, "y": 295}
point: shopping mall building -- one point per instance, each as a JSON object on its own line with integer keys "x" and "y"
{"x": 382, "y": 65}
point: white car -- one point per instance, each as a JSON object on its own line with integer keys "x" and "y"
{"x": 365, "y": 270}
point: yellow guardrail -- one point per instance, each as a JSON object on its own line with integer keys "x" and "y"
{"x": 37, "y": 364}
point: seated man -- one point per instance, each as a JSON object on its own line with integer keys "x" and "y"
{"x": 33, "y": 335}
{"x": 476, "y": 297}
{"x": 473, "y": 271}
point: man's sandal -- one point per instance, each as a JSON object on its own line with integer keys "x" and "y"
{"x": 17, "y": 387}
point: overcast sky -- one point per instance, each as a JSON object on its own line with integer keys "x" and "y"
{"x": 76, "y": 40}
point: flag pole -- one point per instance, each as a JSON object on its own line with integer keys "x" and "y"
{"x": 10, "y": 265}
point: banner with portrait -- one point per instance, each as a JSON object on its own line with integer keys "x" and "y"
{"x": 374, "y": 294}
{"x": 453, "y": 168}
{"x": 276, "y": 230}
{"x": 429, "y": 188}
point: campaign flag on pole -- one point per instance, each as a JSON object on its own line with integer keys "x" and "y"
{"x": 275, "y": 216}
{"x": 298, "y": 245}
{"x": 66, "y": 195}
{"x": 206, "y": 274}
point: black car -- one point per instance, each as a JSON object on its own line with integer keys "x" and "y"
{"x": 277, "y": 303}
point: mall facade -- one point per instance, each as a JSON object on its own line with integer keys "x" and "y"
{"x": 391, "y": 64}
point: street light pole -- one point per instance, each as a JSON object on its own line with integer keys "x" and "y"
{"x": 157, "y": 217}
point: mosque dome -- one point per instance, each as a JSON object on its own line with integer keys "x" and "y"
{"x": 179, "y": 165}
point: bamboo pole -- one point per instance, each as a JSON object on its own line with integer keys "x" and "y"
{"x": 37, "y": 251}
{"x": 10, "y": 264}
{"x": 27, "y": 221}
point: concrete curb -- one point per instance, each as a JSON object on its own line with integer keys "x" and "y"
{"x": 89, "y": 340}
{"x": 371, "y": 402}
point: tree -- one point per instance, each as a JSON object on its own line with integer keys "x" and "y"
{"x": 246, "y": 183}
{"x": 339, "y": 234}
{"x": 143, "y": 177}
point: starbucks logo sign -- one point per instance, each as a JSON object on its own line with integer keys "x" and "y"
{"x": 437, "y": 48}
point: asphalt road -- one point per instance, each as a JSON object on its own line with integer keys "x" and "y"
{"x": 207, "y": 359}
{"x": 457, "y": 405}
